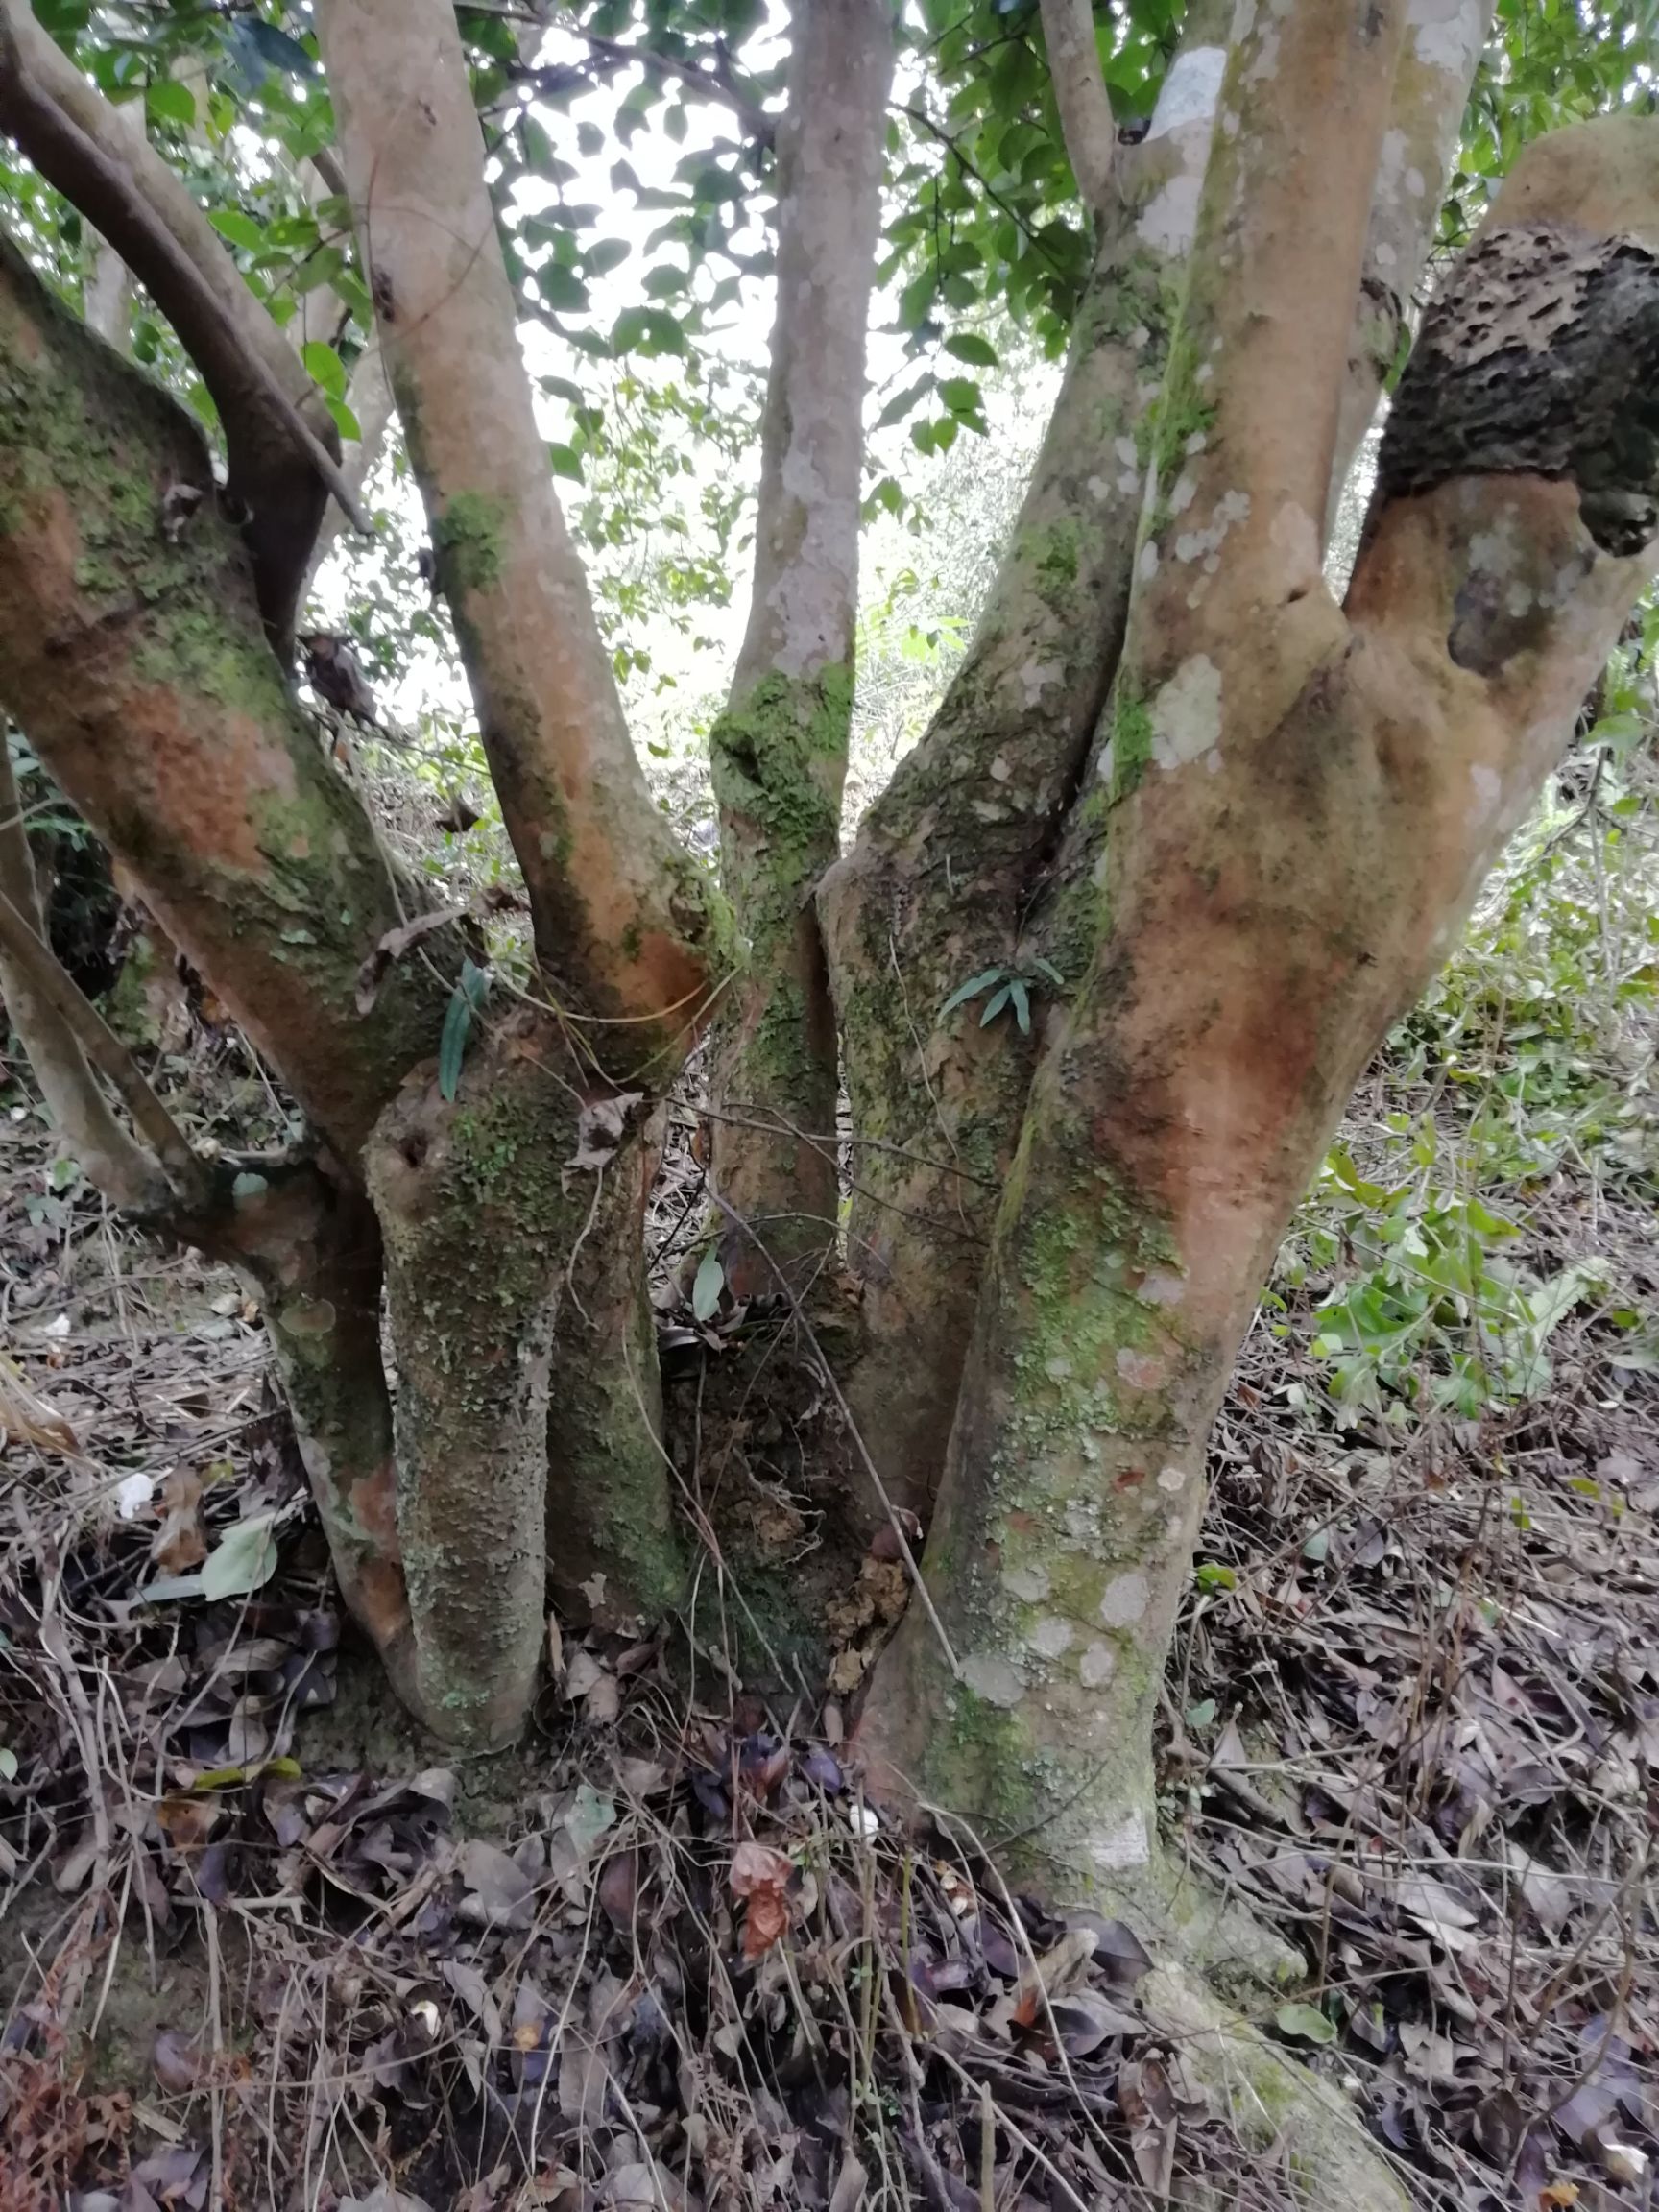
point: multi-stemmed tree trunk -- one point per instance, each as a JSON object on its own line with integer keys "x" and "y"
{"x": 1216, "y": 828}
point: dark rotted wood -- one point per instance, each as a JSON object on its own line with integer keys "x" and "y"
{"x": 1540, "y": 358}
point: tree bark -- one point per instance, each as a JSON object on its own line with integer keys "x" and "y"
{"x": 134, "y": 655}
{"x": 1081, "y": 98}
{"x": 625, "y": 928}
{"x": 108, "y": 1155}
{"x": 279, "y": 441}
{"x": 516, "y": 1308}
{"x": 780, "y": 750}
{"x": 949, "y": 858}
{"x": 1304, "y": 802}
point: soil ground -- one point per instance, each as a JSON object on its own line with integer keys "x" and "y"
{"x": 261, "y": 1946}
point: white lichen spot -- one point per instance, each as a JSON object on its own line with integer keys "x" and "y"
{"x": 1147, "y": 567}
{"x": 1028, "y": 1582}
{"x": 1124, "y": 448}
{"x": 994, "y": 1679}
{"x": 1051, "y": 1638}
{"x": 1190, "y": 90}
{"x": 1295, "y": 538}
{"x": 1196, "y": 443}
{"x": 1098, "y": 1665}
{"x": 1496, "y": 552}
{"x": 1488, "y": 789}
{"x": 1143, "y": 1370}
{"x": 1098, "y": 487}
{"x": 1162, "y": 1286}
{"x": 1035, "y": 677}
{"x": 1125, "y": 1845}
{"x": 1244, "y": 20}
{"x": 1169, "y": 219}
{"x": 1103, "y": 767}
{"x": 1415, "y": 183}
{"x": 1182, "y": 492}
{"x": 1449, "y": 33}
{"x": 1385, "y": 254}
{"x": 1000, "y": 770}
{"x": 1139, "y": 338}
{"x": 1081, "y": 1520}
{"x": 1128, "y": 483}
{"x": 1186, "y": 713}
{"x": 1172, "y": 1478}
{"x": 1058, "y": 1368}
{"x": 1126, "y": 1599}
{"x": 1266, "y": 67}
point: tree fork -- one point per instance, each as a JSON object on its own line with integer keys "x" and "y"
{"x": 1305, "y": 803}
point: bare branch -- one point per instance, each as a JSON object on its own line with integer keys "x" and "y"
{"x": 148, "y": 687}
{"x": 62, "y": 1031}
{"x": 258, "y": 386}
{"x": 1080, "y": 94}
{"x": 779, "y": 752}
{"x": 1444, "y": 40}
{"x": 622, "y": 918}
{"x": 1247, "y": 424}
{"x": 37, "y": 991}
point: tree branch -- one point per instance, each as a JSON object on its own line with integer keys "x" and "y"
{"x": 1444, "y": 40}
{"x": 132, "y": 652}
{"x": 101, "y": 1045}
{"x": 47, "y": 1012}
{"x": 779, "y": 753}
{"x": 1080, "y": 95}
{"x": 1247, "y": 422}
{"x": 258, "y": 386}
{"x": 623, "y": 917}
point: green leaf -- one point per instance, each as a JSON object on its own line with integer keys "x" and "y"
{"x": 467, "y": 995}
{"x": 324, "y": 367}
{"x": 970, "y": 990}
{"x": 706, "y": 1288}
{"x": 1306, "y": 2022}
{"x": 1022, "y": 999}
{"x": 276, "y": 49}
{"x": 345, "y": 421}
{"x": 243, "y": 1561}
{"x": 165, "y": 102}
{"x": 968, "y": 346}
{"x": 241, "y": 230}
{"x": 999, "y": 999}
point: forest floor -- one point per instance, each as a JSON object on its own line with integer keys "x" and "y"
{"x": 258, "y": 1951}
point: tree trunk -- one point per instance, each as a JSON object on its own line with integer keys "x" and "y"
{"x": 780, "y": 750}
{"x": 1304, "y": 804}
{"x": 936, "y": 887}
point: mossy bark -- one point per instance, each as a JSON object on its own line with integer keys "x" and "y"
{"x": 311, "y": 1246}
{"x": 937, "y": 887}
{"x": 1314, "y": 797}
{"x": 133, "y": 655}
{"x": 514, "y": 1292}
{"x": 779, "y": 750}
{"x": 779, "y": 760}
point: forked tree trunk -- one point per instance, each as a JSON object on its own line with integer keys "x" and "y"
{"x": 1303, "y": 804}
